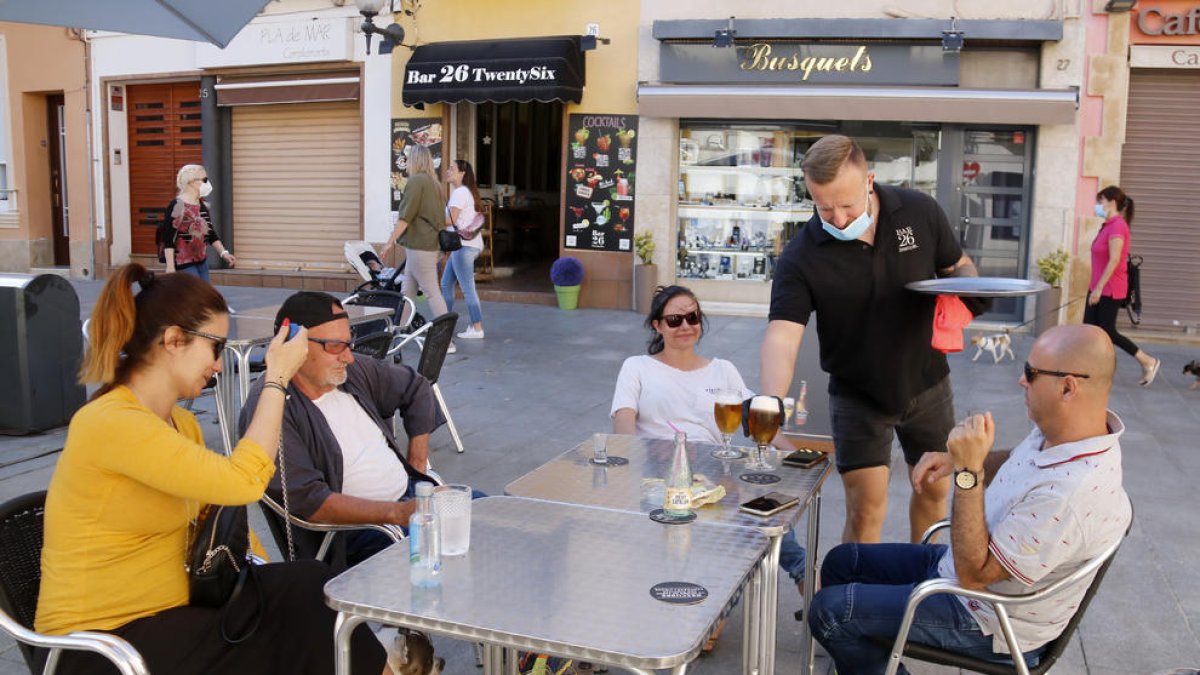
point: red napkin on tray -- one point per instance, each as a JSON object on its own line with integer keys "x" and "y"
{"x": 950, "y": 317}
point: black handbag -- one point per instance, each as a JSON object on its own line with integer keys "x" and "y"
{"x": 1133, "y": 299}
{"x": 219, "y": 566}
{"x": 449, "y": 241}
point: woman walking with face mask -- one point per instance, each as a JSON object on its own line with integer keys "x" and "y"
{"x": 187, "y": 230}
{"x": 1110, "y": 278}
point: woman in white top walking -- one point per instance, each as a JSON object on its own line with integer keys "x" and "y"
{"x": 461, "y": 213}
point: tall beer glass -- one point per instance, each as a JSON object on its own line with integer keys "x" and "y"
{"x": 765, "y": 417}
{"x": 728, "y": 411}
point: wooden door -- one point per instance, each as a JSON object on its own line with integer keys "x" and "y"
{"x": 164, "y": 134}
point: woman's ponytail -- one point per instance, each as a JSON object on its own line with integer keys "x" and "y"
{"x": 111, "y": 326}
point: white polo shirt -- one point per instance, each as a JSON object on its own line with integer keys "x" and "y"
{"x": 370, "y": 469}
{"x": 1049, "y": 511}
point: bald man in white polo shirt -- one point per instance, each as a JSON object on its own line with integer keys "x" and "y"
{"x": 1022, "y": 519}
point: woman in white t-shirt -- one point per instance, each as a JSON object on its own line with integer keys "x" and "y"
{"x": 461, "y": 211}
{"x": 673, "y": 385}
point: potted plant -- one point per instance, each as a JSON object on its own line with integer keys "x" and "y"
{"x": 567, "y": 274}
{"x": 1052, "y": 267}
{"x": 645, "y": 275}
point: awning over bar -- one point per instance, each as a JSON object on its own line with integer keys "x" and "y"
{"x": 822, "y": 102}
{"x": 526, "y": 69}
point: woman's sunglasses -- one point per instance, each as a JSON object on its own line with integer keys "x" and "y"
{"x": 333, "y": 346}
{"x": 676, "y": 320}
{"x": 202, "y": 180}
{"x": 1031, "y": 373}
{"x": 218, "y": 342}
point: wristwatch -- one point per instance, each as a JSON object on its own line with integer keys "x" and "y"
{"x": 966, "y": 479}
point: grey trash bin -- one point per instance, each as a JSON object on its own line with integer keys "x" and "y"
{"x": 40, "y": 350}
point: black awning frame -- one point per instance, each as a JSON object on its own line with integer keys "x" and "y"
{"x": 524, "y": 69}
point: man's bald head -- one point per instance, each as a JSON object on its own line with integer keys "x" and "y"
{"x": 1080, "y": 349}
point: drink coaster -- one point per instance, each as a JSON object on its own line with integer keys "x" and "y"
{"x": 613, "y": 460}
{"x": 660, "y": 516}
{"x": 679, "y": 592}
{"x": 741, "y": 455}
{"x": 760, "y": 478}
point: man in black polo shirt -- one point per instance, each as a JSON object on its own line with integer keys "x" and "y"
{"x": 849, "y": 264}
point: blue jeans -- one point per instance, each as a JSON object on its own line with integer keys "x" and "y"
{"x": 198, "y": 270}
{"x": 864, "y": 588}
{"x": 362, "y": 544}
{"x": 792, "y": 556}
{"x": 461, "y": 266}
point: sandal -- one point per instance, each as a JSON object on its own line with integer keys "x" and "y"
{"x": 1148, "y": 374}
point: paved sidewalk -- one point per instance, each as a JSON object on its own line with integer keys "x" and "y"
{"x": 542, "y": 381}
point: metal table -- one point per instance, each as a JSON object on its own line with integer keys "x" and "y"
{"x": 247, "y": 330}
{"x": 560, "y": 579}
{"x": 573, "y": 479}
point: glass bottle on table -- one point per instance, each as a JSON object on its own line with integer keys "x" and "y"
{"x": 424, "y": 541}
{"x": 727, "y": 409}
{"x": 677, "y": 502}
{"x": 802, "y": 404}
{"x": 764, "y": 419}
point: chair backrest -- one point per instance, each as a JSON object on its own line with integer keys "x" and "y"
{"x": 437, "y": 341}
{"x": 21, "y": 526}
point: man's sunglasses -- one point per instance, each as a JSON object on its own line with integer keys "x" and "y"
{"x": 218, "y": 342}
{"x": 676, "y": 320}
{"x": 1031, "y": 373}
{"x": 333, "y": 346}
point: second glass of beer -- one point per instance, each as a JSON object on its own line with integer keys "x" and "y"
{"x": 728, "y": 412}
{"x": 765, "y": 417}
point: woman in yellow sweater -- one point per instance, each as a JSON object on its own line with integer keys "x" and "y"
{"x": 133, "y": 476}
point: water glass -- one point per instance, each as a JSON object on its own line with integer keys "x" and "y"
{"x": 452, "y": 504}
{"x": 600, "y": 448}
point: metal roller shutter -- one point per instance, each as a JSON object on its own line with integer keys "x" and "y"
{"x": 297, "y": 176}
{"x": 1159, "y": 165}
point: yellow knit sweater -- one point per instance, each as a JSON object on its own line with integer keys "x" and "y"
{"x": 118, "y": 509}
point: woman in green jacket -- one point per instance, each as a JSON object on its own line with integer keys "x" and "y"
{"x": 423, "y": 214}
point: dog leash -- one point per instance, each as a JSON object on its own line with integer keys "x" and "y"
{"x": 1065, "y": 304}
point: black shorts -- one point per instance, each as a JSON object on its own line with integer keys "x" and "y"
{"x": 862, "y": 434}
{"x": 295, "y": 636}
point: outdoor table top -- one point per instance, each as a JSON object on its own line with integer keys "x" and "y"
{"x": 257, "y": 326}
{"x": 563, "y": 579}
{"x": 637, "y": 486}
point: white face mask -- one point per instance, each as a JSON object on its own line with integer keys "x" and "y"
{"x": 855, "y": 229}
{"x": 205, "y": 189}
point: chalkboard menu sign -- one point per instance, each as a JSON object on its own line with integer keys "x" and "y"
{"x": 426, "y": 131}
{"x": 600, "y": 182}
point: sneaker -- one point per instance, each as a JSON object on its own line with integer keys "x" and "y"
{"x": 1148, "y": 374}
{"x": 471, "y": 334}
{"x": 451, "y": 349}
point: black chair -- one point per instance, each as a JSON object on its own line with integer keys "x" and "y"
{"x": 433, "y": 356}
{"x": 1050, "y": 655}
{"x": 21, "y": 527}
{"x": 385, "y": 337}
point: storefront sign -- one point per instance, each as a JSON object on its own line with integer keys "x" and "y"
{"x": 295, "y": 41}
{"x": 600, "y": 182}
{"x": 543, "y": 69}
{"x": 1164, "y": 56}
{"x": 1161, "y": 24}
{"x": 798, "y": 63}
{"x": 406, "y": 133}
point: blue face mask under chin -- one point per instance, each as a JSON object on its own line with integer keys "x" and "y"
{"x": 855, "y": 229}
{"x": 1100, "y": 213}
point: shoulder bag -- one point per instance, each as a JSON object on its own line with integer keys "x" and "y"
{"x": 219, "y": 567}
{"x": 471, "y": 231}
{"x": 449, "y": 240}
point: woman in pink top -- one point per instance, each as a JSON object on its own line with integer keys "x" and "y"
{"x": 1110, "y": 278}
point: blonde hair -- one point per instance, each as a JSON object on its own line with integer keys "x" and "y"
{"x": 421, "y": 161}
{"x": 186, "y": 174}
{"x": 827, "y": 156}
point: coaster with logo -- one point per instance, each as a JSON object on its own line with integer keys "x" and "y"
{"x": 660, "y": 516}
{"x": 613, "y": 460}
{"x": 760, "y": 478}
{"x": 679, "y": 592}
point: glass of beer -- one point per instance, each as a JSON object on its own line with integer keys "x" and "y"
{"x": 728, "y": 411}
{"x": 765, "y": 417}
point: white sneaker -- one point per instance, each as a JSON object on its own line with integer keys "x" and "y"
{"x": 451, "y": 349}
{"x": 471, "y": 334}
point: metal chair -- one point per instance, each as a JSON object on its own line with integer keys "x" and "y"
{"x": 1000, "y": 602}
{"x": 21, "y": 529}
{"x": 275, "y": 514}
{"x": 398, "y": 334}
{"x": 433, "y": 355}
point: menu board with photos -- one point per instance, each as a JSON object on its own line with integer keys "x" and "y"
{"x": 600, "y": 182}
{"x": 426, "y": 131}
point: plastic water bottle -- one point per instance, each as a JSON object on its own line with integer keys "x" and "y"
{"x": 678, "y": 502}
{"x": 424, "y": 541}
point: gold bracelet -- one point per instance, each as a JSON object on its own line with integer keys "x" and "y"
{"x": 276, "y": 385}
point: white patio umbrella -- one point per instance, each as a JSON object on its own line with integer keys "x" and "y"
{"x": 215, "y": 21}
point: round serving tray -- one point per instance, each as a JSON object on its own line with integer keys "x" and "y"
{"x": 978, "y": 287}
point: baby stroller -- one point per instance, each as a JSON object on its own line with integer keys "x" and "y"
{"x": 381, "y": 288}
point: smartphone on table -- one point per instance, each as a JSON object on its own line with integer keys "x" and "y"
{"x": 804, "y": 458}
{"x": 770, "y": 504}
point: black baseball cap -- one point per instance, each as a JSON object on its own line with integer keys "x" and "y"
{"x": 309, "y": 309}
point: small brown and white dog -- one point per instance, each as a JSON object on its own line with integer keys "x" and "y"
{"x": 412, "y": 654}
{"x": 1193, "y": 369}
{"x": 997, "y": 345}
